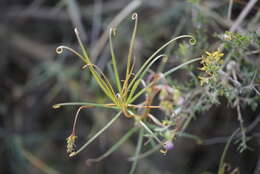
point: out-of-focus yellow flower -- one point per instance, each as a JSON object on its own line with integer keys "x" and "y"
{"x": 211, "y": 63}
{"x": 203, "y": 80}
{"x": 212, "y": 59}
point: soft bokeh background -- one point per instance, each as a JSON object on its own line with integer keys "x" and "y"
{"x": 34, "y": 77}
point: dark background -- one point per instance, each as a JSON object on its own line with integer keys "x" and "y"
{"x": 33, "y": 78}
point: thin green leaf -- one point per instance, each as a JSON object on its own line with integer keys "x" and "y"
{"x": 141, "y": 76}
{"x": 192, "y": 41}
{"x": 96, "y": 135}
{"x": 112, "y": 32}
{"x": 130, "y": 55}
{"x": 147, "y": 153}
{"x": 115, "y": 146}
{"x": 181, "y": 66}
{"x": 150, "y": 132}
{"x": 221, "y": 164}
{"x": 164, "y": 74}
{"x": 107, "y": 89}
{"x": 84, "y": 104}
{"x": 137, "y": 152}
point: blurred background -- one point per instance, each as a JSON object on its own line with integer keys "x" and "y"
{"x": 33, "y": 78}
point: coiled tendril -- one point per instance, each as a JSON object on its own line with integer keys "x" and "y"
{"x": 192, "y": 41}
{"x": 60, "y": 49}
{"x": 134, "y": 16}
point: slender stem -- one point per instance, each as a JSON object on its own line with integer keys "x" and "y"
{"x": 221, "y": 164}
{"x": 230, "y": 5}
{"x": 76, "y": 118}
{"x": 242, "y": 15}
{"x": 109, "y": 105}
{"x": 115, "y": 146}
{"x": 192, "y": 40}
{"x": 150, "y": 131}
{"x": 164, "y": 74}
{"x": 147, "y": 153}
{"x": 137, "y": 152}
{"x": 96, "y": 135}
{"x": 38, "y": 163}
{"x": 114, "y": 62}
{"x": 180, "y": 66}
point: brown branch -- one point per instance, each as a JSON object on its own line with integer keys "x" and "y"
{"x": 224, "y": 139}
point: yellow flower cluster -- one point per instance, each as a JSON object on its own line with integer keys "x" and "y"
{"x": 211, "y": 65}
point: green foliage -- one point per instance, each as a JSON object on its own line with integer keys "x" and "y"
{"x": 127, "y": 92}
{"x": 224, "y": 73}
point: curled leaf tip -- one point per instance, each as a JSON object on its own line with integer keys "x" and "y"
{"x": 76, "y": 31}
{"x": 134, "y": 16}
{"x": 163, "y": 151}
{"x": 59, "y": 49}
{"x": 192, "y": 41}
{"x": 72, "y": 154}
{"x": 84, "y": 66}
{"x": 56, "y": 106}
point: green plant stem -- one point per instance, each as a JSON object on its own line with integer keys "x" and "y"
{"x": 181, "y": 66}
{"x": 97, "y": 134}
{"x": 147, "y": 153}
{"x": 137, "y": 76}
{"x": 114, "y": 62}
{"x": 150, "y": 132}
{"x": 38, "y": 163}
{"x": 84, "y": 104}
{"x": 165, "y": 74}
{"x": 221, "y": 163}
{"x": 138, "y": 150}
{"x": 115, "y": 146}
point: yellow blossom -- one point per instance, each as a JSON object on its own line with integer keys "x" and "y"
{"x": 203, "y": 80}
{"x": 211, "y": 63}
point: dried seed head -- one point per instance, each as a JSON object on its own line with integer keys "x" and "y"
{"x": 71, "y": 143}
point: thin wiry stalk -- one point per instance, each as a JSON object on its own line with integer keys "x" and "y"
{"x": 60, "y": 49}
{"x": 142, "y": 75}
{"x": 130, "y": 64}
{"x": 180, "y": 66}
{"x": 147, "y": 153}
{"x": 115, "y": 146}
{"x": 164, "y": 74}
{"x": 111, "y": 33}
{"x": 137, "y": 152}
{"x": 192, "y": 41}
{"x": 38, "y": 163}
{"x": 104, "y": 86}
{"x": 150, "y": 132}
{"x": 221, "y": 164}
{"x": 96, "y": 135}
{"x": 230, "y": 5}
{"x": 76, "y": 118}
{"x": 106, "y": 82}
{"x": 110, "y": 105}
